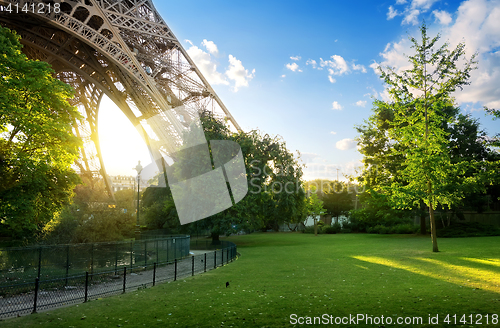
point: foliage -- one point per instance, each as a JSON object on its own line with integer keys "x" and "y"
{"x": 37, "y": 145}
{"x": 414, "y": 146}
{"x": 158, "y": 209}
{"x": 274, "y": 177}
{"x": 468, "y": 229}
{"x": 91, "y": 219}
{"x": 401, "y": 228}
{"x": 104, "y": 224}
{"x": 377, "y": 210}
{"x": 335, "y": 228}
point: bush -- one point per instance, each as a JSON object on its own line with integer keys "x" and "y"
{"x": 468, "y": 229}
{"x": 335, "y": 228}
{"x": 404, "y": 228}
{"x": 407, "y": 228}
{"x": 308, "y": 229}
{"x": 97, "y": 225}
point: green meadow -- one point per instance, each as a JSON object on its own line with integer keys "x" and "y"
{"x": 294, "y": 279}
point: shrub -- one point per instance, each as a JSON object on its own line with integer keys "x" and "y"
{"x": 407, "y": 228}
{"x": 468, "y": 229}
{"x": 308, "y": 229}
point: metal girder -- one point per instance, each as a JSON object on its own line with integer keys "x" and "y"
{"x": 121, "y": 48}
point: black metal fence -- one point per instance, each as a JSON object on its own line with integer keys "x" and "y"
{"x": 22, "y": 264}
{"x": 43, "y": 293}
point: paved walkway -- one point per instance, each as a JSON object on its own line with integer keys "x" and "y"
{"x": 106, "y": 284}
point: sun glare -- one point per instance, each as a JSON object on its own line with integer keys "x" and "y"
{"x": 458, "y": 274}
{"x": 121, "y": 145}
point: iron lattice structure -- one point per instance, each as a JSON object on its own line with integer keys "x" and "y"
{"x": 122, "y": 49}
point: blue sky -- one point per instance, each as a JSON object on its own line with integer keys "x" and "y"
{"x": 304, "y": 70}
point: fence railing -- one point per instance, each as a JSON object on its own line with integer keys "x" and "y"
{"x": 41, "y": 294}
{"x": 22, "y": 264}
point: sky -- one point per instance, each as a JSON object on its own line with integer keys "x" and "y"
{"x": 306, "y": 70}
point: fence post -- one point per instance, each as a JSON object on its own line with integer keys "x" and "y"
{"x": 116, "y": 258}
{"x": 86, "y": 285}
{"x": 154, "y": 273}
{"x": 222, "y": 258}
{"x": 167, "y": 249}
{"x": 39, "y": 260}
{"x": 175, "y": 269}
{"x": 192, "y": 267}
{"x": 124, "y": 278}
{"x": 67, "y": 264}
{"x": 215, "y": 259}
{"x": 36, "y": 294}
{"x": 227, "y": 255}
{"x": 205, "y": 263}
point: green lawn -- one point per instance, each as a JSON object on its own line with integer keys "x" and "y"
{"x": 341, "y": 275}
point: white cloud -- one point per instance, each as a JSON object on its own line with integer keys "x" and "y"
{"x": 337, "y": 65}
{"x": 358, "y": 67}
{"x": 477, "y": 24}
{"x": 392, "y": 13}
{"x": 394, "y": 56}
{"x": 361, "y": 103}
{"x": 345, "y": 144}
{"x": 422, "y": 4}
{"x": 211, "y": 47}
{"x": 333, "y": 132}
{"x": 412, "y": 17}
{"x": 311, "y": 62}
{"x": 336, "y": 106}
{"x": 293, "y": 67}
{"x": 283, "y": 75}
{"x": 295, "y": 58}
{"x": 442, "y": 16}
{"x": 238, "y": 73}
{"x": 410, "y": 11}
{"x": 206, "y": 65}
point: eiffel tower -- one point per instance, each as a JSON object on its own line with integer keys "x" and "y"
{"x": 122, "y": 49}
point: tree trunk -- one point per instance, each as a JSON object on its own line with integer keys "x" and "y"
{"x": 315, "y": 228}
{"x": 423, "y": 228}
{"x": 432, "y": 221}
{"x": 215, "y": 238}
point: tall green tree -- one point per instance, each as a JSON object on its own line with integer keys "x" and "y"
{"x": 314, "y": 208}
{"x": 37, "y": 145}
{"x": 421, "y": 97}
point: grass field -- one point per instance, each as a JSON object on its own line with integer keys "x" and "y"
{"x": 282, "y": 279}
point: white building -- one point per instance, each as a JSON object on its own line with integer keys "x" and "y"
{"x": 122, "y": 182}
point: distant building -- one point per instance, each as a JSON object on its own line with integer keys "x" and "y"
{"x": 122, "y": 182}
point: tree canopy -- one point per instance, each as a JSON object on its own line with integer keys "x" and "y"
{"x": 416, "y": 146}
{"x": 274, "y": 177}
{"x": 37, "y": 145}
